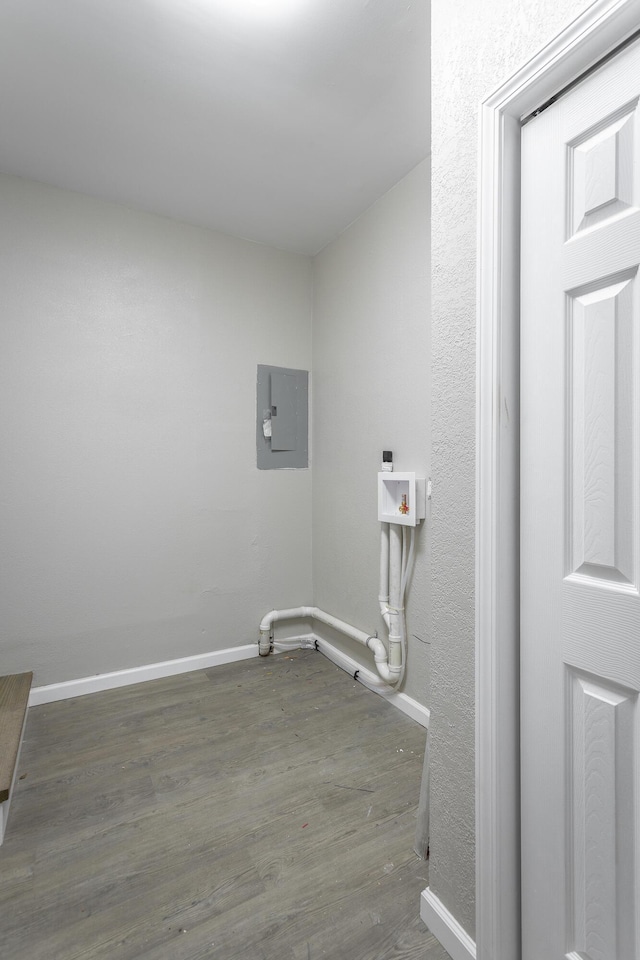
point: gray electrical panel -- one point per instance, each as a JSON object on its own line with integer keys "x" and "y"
{"x": 282, "y": 429}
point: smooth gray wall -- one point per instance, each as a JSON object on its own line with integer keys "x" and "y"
{"x": 371, "y": 392}
{"x": 474, "y": 48}
{"x": 135, "y": 524}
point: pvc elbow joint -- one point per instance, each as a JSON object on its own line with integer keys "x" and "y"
{"x": 264, "y": 643}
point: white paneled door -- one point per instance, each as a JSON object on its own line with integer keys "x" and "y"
{"x": 580, "y": 520}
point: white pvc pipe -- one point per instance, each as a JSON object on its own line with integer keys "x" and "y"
{"x": 395, "y": 564}
{"x": 409, "y": 564}
{"x": 395, "y": 569}
{"x": 395, "y": 599}
{"x": 383, "y": 594}
{"x": 292, "y": 613}
{"x": 408, "y": 536}
{"x": 383, "y": 591}
{"x": 301, "y": 613}
{"x": 404, "y": 558}
{"x": 298, "y": 613}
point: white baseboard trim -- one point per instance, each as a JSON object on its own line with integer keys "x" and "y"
{"x": 151, "y": 671}
{"x": 202, "y": 661}
{"x": 369, "y": 678}
{"x": 372, "y": 681}
{"x": 445, "y": 928}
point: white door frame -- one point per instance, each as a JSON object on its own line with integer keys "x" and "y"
{"x": 594, "y": 34}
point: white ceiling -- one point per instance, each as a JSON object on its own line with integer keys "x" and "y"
{"x": 280, "y": 124}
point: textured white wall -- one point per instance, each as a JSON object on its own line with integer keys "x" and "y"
{"x": 371, "y": 392}
{"x": 474, "y": 48}
{"x": 135, "y": 525}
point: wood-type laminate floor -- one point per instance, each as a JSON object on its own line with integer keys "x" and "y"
{"x": 263, "y": 810}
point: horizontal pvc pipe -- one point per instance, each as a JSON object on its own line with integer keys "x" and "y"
{"x": 380, "y": 655}
{"x": 300, "y": 613}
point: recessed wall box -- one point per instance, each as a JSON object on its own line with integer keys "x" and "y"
{"x": 401, "y": 498}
